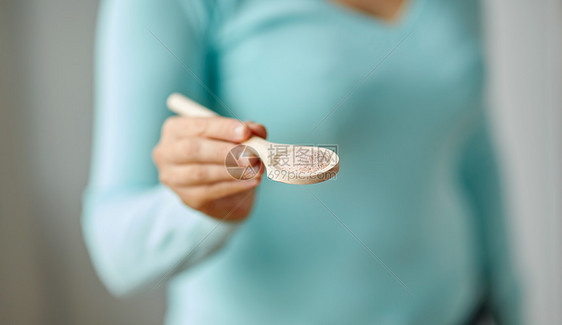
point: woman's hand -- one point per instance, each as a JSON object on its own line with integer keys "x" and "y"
{"x": 190, "y": 158}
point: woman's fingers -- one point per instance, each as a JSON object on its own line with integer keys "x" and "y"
{"x": 191, "y": 158}
{"x": 218, "y": 128}
{"x": 223, "y": 189}
{"x": 257, "y": 129}
{"x": 199, "y": 197}
{"x": 201, "y": 174}
{"x": 193, "y": 150}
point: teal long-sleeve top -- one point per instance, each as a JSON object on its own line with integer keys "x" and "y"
{"x": 411, "y": 231}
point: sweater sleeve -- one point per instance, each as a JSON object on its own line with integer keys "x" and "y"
{"x": 482, "y": 181}
{"x": 137, "y": 230}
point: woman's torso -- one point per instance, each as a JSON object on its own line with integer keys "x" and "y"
{"x": 390, "y": 240}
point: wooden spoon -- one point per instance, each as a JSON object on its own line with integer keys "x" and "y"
{"x": 284, "y": 163}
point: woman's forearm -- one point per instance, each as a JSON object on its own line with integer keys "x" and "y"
{"x": 139, "y": 237}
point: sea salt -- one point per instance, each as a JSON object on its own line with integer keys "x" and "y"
{"x": 301, "y": 159}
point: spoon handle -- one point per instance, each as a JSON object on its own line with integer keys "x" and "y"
{"x": 184, "y": 106}
{"x": 261, "y": 147}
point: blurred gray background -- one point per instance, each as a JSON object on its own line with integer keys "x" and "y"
{"x": 46, "y": 62}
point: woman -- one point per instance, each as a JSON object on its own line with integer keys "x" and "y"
{"x": 411, "y": 230}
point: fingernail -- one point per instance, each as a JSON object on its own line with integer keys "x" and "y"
{"x": 240, "y": 130}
